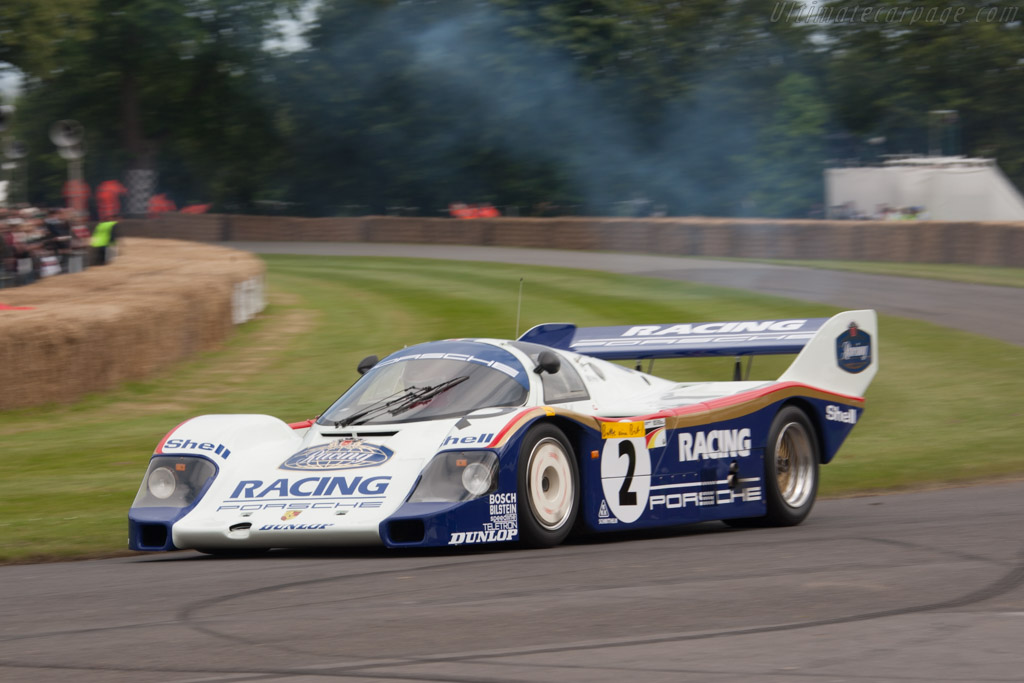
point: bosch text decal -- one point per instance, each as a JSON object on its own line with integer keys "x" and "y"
{"x": 504, "y": 524}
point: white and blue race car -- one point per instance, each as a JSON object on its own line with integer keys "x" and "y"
{"x": 469, "y": 441}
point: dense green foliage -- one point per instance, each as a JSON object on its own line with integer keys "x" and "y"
{"x": 597, "y": 106}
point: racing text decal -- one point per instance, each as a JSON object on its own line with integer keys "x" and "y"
{"x": 714, "y": 444}
{"x": 311, "y": 487}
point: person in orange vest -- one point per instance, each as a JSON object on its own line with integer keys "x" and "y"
{"x": 108, "y": 199}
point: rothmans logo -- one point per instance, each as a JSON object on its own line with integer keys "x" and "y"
{"x": 853, "y": 349}
{"x": 342, "y": 454}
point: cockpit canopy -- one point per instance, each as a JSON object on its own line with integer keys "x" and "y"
{"x": 432, "y": 381}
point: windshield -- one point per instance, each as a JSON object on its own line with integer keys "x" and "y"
{"x": 432, "y": 381}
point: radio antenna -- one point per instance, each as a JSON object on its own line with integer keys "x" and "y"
{"x": 519, "y": 306}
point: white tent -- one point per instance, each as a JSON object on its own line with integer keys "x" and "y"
{"x": 947, "y": 188}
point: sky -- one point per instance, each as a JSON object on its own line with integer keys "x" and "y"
{"x": 10, "y": 82}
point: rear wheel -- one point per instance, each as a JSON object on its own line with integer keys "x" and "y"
{"x": 549, "y": 484}
{"x": 791, "y": 457}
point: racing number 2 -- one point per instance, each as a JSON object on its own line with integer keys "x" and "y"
{"x": 626, "y": 477}
{"x": 627, "y": 497}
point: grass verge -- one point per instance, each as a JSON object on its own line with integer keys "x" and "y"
{"x": 942, "y": 410}
{"x": 953, "y": 272}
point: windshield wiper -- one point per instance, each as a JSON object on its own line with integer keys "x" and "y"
{"x": 425, "y": 394}
{"x": 405, "y": 400}
{"x": 376, "y": 405}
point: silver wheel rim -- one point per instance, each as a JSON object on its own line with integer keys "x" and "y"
{"x": 549, "y": 486}
{"x": 794, "y": 464}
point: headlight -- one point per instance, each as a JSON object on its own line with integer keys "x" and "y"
{"x": 477, "y": 478}
{"x": 173, "y": 481}
{"x": 457, "y": 476}
{"x": 161, "y": 483}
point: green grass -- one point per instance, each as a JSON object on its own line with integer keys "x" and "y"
{"x": 979, "y": 275}
{"x": 943, "y": 409}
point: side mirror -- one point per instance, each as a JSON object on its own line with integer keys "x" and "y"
{"x": 366, "y": 363}
{"x": 549, "y": 362}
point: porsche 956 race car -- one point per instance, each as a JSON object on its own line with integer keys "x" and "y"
{"x": 469, "y": 441}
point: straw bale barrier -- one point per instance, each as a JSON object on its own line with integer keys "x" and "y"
{"x": 159, "y": 302}
{"x": 983, "y": 244}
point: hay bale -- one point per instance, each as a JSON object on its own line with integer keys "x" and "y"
{"x": 159, "y": 302}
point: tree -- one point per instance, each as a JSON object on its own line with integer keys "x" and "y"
{"x": 790, "y": 151}
{"x": 32, "y": 32}
{"x": 887, "y": 72}
{"x": 172, "y": 86}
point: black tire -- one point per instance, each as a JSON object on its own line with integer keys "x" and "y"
{"x": 549, "y": 487}
{"x": 791, "y": 457}
{"x": 793, "y": 445}
{"x": 237, "y": 553}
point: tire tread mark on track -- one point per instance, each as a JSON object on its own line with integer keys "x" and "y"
{"x": 1012, "y": 579}
{"x": 1008, "y": 582}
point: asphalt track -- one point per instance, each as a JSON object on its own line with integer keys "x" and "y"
{"x": 927, "y": 586}
{"x": 996, "y": 312}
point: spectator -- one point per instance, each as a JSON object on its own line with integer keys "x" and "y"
{"x": 58, "y": 233}
{"x": 36, "y": 243}
{"x": 104, "y": 242}
{"x": 108, "y": 199}
{"x": 8, "y": 261}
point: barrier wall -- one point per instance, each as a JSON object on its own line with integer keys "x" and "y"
{"x": 985, "y": 244}
{"x": 159, "y": 302}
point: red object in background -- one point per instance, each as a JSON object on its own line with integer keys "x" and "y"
{"x": 468, "y": 211}
{"x": 159, "y": 203}
{"x": 108, "y": 199}
{"x": 5, "y": 307}
{"x": 196, "y": 208}
{"x": 76, "y": 195}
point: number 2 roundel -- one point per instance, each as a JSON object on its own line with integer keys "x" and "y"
{"x": 626, "y": 477}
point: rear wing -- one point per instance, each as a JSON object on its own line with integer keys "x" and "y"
{"x": 837, "y": 354}
{"x": 686, "y": 340}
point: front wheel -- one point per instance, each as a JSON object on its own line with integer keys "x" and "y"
{"x": 549, "y": 484}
